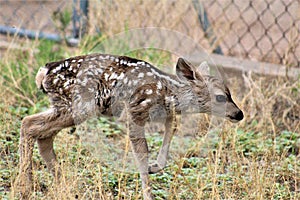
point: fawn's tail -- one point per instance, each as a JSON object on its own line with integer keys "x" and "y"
{"x": 40, "y": 77}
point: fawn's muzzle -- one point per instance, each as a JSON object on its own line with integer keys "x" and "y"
{"x": 239, "y": 116}
{"x": 236, "y": 117}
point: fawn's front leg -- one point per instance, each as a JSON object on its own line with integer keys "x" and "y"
{"x": 170, "y": 130}
{"x": 140, "y": 150}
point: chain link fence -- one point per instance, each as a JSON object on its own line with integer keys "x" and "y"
{"x": 265, "y": 30}
{"x": 32, "y": 15}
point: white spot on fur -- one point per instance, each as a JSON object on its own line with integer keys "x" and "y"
{"x": 80, "y": 60}
{"x": 93, "y": 58}
{"x": 149, "y": 74}
{"x": 113, "y": 83}
{"x": 149, "y": 91}
{"x": 73, "y": 61}
{"x": 129, "y": 83}
{"x": 141, "y": 75}
{"x": 121, "y": 76}
{"x": 125, "y": 80}
{"x": 106, "y": 76}
{"x": 113, "y": 76}
{"x": 135, "y": 82}
{"x": 141, "y": 63}
{"x": 145, "y": 102}
{"x": 169, "y": 99}
{"x": 79, "y": 73}
{"x": 67, "y": 83}
{"x": 84, "y": 82}
{"x": 66, "y": 64}
{"x": 58, "y": 68}
{"x": 99, "y": 70}
{"x": 159, "y": 85}
{"x": 61, "y": 77}
{"x": 55, "y": 81}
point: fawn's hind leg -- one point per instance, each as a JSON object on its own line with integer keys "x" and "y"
{"x": 42, "y": 127}
{"x": 47, "y": 152}
{"x": 45, "y": 144}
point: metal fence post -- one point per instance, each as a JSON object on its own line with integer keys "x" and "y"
{"x": 79, "y": 18}
{"x": 204, "y": 22}
{"x": 31, "y": 34}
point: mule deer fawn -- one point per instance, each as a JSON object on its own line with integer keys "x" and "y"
{"x": 99, "y": 84}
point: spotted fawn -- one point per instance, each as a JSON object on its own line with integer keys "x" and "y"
{"x": 105, "y": 85}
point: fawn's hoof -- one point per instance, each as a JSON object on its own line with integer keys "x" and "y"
{"x": 22, "y": 190}
{"x": 154, "y": 168}
{"x": 23, "y": 187}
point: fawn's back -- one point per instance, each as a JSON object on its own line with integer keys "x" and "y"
{"x": 97, "y": 83}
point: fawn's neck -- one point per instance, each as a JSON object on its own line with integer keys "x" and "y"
{"x": 183, "y": 98}
{"x": 178, "y": 96}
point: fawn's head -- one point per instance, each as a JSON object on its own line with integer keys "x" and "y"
{"x": 210, "y": 94}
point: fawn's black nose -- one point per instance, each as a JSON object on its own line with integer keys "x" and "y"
{"x": 239, "y": 116}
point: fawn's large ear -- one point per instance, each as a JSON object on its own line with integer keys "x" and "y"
{"x": 185, "y": 70}
{"x": 203, "y": 69}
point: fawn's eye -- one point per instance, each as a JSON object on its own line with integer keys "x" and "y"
{"x": 220, "y": 98}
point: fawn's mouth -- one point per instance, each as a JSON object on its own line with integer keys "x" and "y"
{"x": 236, "y": 118}
{"x": 233, "y": 120}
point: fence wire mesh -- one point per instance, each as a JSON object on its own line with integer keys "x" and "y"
{"x": 32, "y": 15}
{"x": 265, "y": 30}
